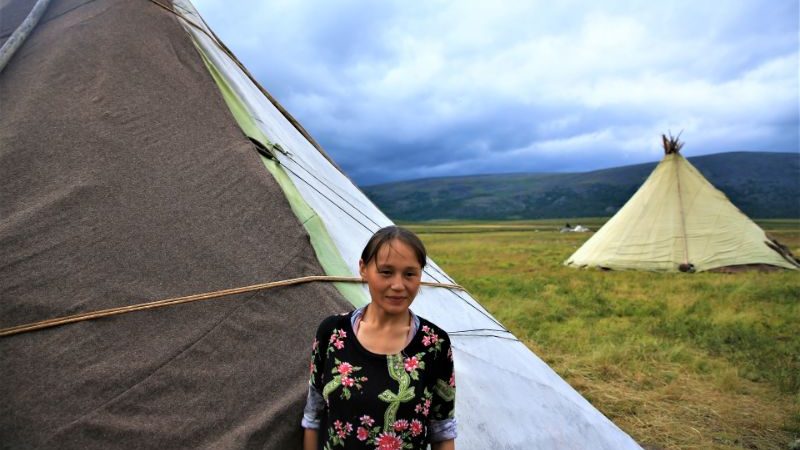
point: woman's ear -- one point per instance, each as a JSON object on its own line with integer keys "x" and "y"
{"x": 362, "y": 268}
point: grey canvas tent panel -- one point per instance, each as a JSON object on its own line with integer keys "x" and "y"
{"x": 125, "y": 179}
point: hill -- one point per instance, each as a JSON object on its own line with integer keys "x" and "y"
{"x": 764, "y": 185}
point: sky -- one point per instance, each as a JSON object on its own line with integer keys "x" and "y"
{"x": 397, "y": 90}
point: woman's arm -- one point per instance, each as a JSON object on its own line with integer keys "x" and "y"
{"x": 310, "y": 439}
{"x": 449, "y": 444}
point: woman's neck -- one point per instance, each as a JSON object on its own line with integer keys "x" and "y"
{"x": 383, "y": 334}
{"x": 379, "y": 319}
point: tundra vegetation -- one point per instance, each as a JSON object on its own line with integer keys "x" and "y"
{"x": 679, "y": 361}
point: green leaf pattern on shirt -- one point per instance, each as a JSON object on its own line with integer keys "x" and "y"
{"x": 331, "y": 386}
{"x": 404, "y": 394}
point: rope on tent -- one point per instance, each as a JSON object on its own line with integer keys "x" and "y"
{"x": 22, "y": 32}
{"x": 457, "y": 334}
{"x": 188, "y": 299}
{"x": 483, "y": 332}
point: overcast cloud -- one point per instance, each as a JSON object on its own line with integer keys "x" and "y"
{"x": 398, "y": 90}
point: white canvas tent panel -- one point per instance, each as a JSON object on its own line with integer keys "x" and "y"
{"x": 507, "y": 397}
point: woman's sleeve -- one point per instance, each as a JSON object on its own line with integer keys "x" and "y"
{"x": 314, "y": 401}
{"x": 313, "y": 409}
{"x": 443, "y": 424}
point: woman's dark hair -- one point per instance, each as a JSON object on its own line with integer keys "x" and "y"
{"x": 387, "y": 235}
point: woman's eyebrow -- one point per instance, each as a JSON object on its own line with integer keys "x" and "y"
{"x": 390, "y": 266}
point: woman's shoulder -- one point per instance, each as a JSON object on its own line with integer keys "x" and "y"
{"x": 429, "y": 328}
{"x": 336, "y": 321}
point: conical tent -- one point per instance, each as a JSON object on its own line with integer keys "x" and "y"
{"x": 140, "y": 161}
{"x": 678, "y": 221}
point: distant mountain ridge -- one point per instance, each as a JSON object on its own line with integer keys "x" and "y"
{"x": 761, "y": 184}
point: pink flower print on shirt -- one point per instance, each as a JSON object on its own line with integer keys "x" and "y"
{"x": 345, "y": 375}
{"x": 362, "y": 434}
{"x": 312, "y": 368}
{"x": 366, "y": 420}
{"x": 388, "y": 441}
{"x": 411, "y": 364}
{"x": 424, "y": 407}
{"x": 416, "y": 427}
{"x": 345, "y": 368}
{"x": 343, "y": 429}
{"x": 337, "y": 340}
{"x": 431, "y": 339}
{"x": 453, "y": 379}
{"x": 400, "y": 425}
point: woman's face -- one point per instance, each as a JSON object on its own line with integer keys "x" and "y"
{"x": 393, "y": 277}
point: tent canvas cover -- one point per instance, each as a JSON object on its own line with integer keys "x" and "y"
{"x": 140, "y": 161}
{"x": 678, "y": 221}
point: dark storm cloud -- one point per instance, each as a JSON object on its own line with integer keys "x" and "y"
{"x": 396, "y": 90}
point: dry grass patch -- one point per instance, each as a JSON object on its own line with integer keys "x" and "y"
{"x": 701, "y": 361}
{"x": 668, "y": 407}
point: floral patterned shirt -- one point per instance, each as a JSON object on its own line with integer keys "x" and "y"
{"x": 384, "y": 402}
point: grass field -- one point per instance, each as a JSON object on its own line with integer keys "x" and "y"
{"x": 679, "y": 361}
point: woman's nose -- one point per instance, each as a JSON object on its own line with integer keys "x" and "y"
{"x": 397, "y": 284}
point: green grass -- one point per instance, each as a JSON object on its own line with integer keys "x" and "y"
{"x": 705, "y": 360}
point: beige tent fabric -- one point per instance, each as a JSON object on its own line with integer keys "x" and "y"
{"x": 677, "y": 217}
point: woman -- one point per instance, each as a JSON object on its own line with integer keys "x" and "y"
{"x": 381, "y": 376}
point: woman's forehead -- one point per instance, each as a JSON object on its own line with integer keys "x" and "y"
{"x": 397, "y": 252}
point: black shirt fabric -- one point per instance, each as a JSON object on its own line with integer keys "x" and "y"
{"x": 381, "y": 401}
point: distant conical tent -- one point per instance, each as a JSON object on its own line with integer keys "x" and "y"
{"x": 678, "y": 221}
{"x": 139, "y": 161}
